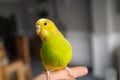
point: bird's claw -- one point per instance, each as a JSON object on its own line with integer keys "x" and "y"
{"x": 70, "y": 72}
{"x": 49, "y": 76}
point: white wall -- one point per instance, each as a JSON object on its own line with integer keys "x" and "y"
{"x": 105, "y": 37}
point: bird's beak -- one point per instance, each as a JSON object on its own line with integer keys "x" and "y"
{"x": 38, "y": 29}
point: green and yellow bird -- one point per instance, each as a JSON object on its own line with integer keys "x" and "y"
{"x": 56, "y": 51}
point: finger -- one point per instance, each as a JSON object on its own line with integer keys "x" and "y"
{"x": 76, "y": 71}
{"x": 63, "y": 74}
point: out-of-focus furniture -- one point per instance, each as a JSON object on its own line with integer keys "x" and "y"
{"x": 19, "y": 67}
{"x": 22, "y": 44}
{"x": 9, "y": 68}
{"x": 3, "y": 57}
{"x": 1, "y": 74}
{"x": 3, "y": 60}
{"x": 15, "y": 67}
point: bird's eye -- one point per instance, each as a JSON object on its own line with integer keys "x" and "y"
{"x": 45, "y": 24}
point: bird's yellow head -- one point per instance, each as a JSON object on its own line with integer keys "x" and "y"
{"x": 45, "y": 27}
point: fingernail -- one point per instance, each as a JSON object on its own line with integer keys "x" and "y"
{"x": 85, "y": 70}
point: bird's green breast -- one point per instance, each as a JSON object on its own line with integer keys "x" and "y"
{"x": 56, "y": 52}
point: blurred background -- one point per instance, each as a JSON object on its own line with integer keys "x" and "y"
{"x": 91, "y": 26}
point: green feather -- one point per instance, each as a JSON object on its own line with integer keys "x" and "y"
{"x": 56, "y": 52}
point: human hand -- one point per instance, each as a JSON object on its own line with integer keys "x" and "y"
{"x": 62, "y": 74}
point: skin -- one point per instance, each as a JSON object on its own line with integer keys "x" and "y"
{"x": 78, "y": 71}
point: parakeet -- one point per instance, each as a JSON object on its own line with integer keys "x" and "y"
{"x": 56, "y": 51}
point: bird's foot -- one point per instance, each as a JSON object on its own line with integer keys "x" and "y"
{"x": 49, "y": 76}
{"x": 70, "y": 72}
